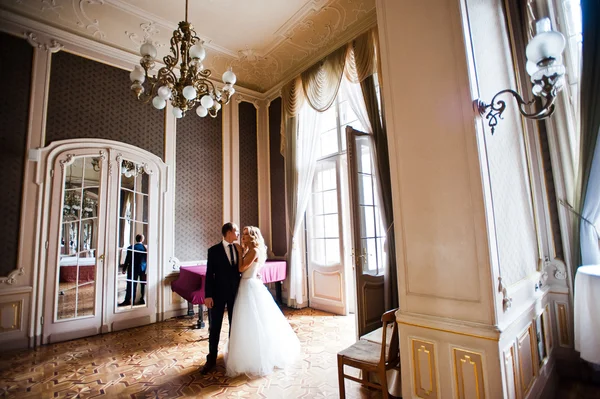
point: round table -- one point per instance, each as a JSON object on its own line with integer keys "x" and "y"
{"x": 587, "y": 313}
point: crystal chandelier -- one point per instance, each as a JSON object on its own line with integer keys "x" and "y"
{"x": 192, "y": 86}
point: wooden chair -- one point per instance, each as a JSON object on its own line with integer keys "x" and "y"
{"x": 373, "y": 357}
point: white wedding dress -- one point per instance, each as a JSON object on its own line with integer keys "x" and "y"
{"x": 261, "y": 337}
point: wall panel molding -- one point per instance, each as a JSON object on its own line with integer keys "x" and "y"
{"x": 424, "y": 368}
{"x": 527, "y": 359}
{"x": 510, "y": 372}
{"x": 248, "y": 164}
{"x": 562, "y": 314}
{"x": 11, "y": 316}
{"x": 14, "y": 117}
{"x": 468, "y": 373}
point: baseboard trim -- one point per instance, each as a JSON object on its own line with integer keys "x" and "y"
{"x": 174, "y": 313}
{"x": 14, "y": 344}
{"x": 549, "y": 380}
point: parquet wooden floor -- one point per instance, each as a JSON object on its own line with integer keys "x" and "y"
{"x": 162, "y": 360}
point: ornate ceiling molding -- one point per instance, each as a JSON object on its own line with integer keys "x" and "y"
{"x": 53, "y": 46}
{"x": 312, "y": 32}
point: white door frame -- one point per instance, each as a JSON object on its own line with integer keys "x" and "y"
{"x": 329, "y": 279}
{"x": 108, "y": 319}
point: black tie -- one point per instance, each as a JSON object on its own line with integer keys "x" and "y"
{"x": 231, "y": 253}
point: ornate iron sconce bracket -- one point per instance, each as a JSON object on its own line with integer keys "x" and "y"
{"x": 496, "y": 107}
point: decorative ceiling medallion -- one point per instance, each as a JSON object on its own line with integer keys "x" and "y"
{"x": 149, "y": 29}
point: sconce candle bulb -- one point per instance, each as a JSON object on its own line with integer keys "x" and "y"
{"x": 545, "y": 68}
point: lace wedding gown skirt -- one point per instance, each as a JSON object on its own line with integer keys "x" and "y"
{"x": 261, "y": 338}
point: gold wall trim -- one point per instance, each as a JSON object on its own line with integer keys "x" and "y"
{"x": 528, "y": 334}
{"x": 547, "y": 324}
{"x": 562, "y": 323}
{"x": 15, "y": 319}
{"x": 426, "y": 348}
{"x": 449, "y": 331}
{"x": 472, "y": 360}
{"x": 510, "y": 359}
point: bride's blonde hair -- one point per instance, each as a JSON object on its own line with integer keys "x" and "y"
{"x": 259, "y": 242}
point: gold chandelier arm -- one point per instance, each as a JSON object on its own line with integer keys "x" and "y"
{"x": 171, "y": 60}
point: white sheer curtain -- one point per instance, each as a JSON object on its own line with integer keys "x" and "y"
{"x": 306, "y": 163}
{"x": 353, "y": 93}
{"x": 590, "y": 252}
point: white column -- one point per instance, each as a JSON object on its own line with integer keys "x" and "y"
{"x": 231, "y": 161}
{"x": 263, "y": 164}
{"x": 32, "y": 199}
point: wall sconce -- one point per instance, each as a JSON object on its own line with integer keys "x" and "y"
{"x": 544, "y": 66}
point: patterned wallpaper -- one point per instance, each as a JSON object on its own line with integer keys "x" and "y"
{"x": 89, "y": 99}
{"x": 512, "y": 203}
{"x": 14, "y": 112}
{"x": 199, "y": 186}
{"x": 278, "y": 221}
{"x": 248, "y": 166}
{"x": 551, "y": 192}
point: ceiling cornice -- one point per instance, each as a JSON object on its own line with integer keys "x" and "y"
{"x": 169, "y": 25}
{"x": 311, "y": 33}
{"x": 350, "y": 34}
{"x": 21, "y": 26}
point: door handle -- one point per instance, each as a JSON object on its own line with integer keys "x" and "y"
{"x": 101, "y": 257}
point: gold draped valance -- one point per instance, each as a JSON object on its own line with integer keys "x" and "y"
{"x": 319, "y": 84}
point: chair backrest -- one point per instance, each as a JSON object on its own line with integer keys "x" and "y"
{"x": 393, "y": 352}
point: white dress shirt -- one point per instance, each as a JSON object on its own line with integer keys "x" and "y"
{"x": 226, "y": 245}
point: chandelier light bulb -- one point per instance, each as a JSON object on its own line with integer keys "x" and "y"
{"x": 137, "y": 75}
{"x": 164, "y": 92}
{"x": 189, "y": 92}
{"x": 229, "y": 77}
{"x": 187, "y": 86}
{"x": 198, "y": 52}
{"x": 177, "y": 112}
{"x": 148, "y": 50}
{"x": 207, "y": 101}
{"x": 137, "y": 87}
{"x": 201, "y": 111}
{"x": 195, "y": 63}
{"x": 159, "y": 103}
{"x": 228, "y": 88}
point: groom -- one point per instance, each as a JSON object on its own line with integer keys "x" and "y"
{"x": 222, "y": 281}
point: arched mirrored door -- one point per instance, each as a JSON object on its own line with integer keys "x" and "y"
{"x": 101, "y": 260}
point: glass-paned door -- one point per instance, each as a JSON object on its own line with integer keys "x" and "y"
{"x": 101, "y": 265}
{"x": 132, "y": 238}
{"x": 326, "y": 277}
{"x": 76, "y": 248}
{"x": 368, "y": 233}
{"x": 132, "y": 294}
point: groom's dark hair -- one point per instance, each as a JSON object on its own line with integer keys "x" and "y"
{"x": 227, "y": 227}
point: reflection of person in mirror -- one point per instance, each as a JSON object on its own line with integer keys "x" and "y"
{"x": 135, "y": 264}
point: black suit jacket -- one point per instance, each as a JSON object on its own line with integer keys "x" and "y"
{"x": 139, "y": 256}
{"x": 222, "y": 278}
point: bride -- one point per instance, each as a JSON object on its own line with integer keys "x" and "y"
{"x": 260, "y": 337}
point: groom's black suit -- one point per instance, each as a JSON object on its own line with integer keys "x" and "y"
{"x": 222, "y": 282}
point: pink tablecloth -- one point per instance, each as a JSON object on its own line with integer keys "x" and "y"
{"x": 190, "y": 284}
